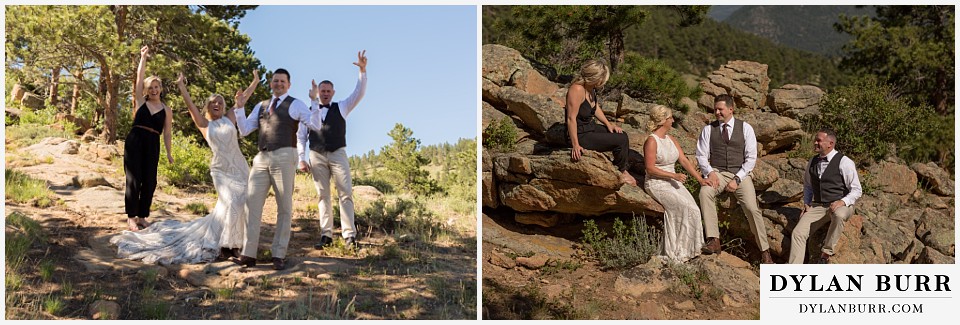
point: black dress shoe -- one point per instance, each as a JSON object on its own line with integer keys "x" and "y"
{"x": 824, "y": 259}
{"x": 351, "y": 243}
{"x": 324, "y": 242}
{"x": 245, "y": 261}
{"x": 279, "y": 263}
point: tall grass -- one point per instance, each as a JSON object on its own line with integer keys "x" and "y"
{"x": 21, "y": 188}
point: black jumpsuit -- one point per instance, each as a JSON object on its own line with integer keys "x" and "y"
{"x": 141, "y": 154}
{"x": 596, "y": 137}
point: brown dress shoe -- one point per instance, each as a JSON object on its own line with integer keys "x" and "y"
{"x": 824, "y": 259}
{"x": 712, "y": 246}
{"x": 279, "y": 263}
{"x": 765, "y": 257}
{"x": 245, "y": 261}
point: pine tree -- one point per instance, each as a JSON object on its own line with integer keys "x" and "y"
{"x": 404, "y": 161}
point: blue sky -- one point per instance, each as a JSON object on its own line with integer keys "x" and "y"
{"x": 422, "y": 69}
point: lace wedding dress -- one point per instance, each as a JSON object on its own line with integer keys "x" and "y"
{"x": 682, "y": 226}
{"x": 200, "y": 240}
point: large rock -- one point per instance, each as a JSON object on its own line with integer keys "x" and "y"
{"x": 774, "y": 132}
{"x": 937, "y": 178}
{"x": 746, "y": 81}
{"x": 781, "y": 192}
{"x": 17, "y": 92}
{"x": 893, "y": 178}
{"x": 31, "y": 101}
{"x": 552, "y": 182}
{"x": 932, "y": 256}
{"x": 505, "y": 66}
{"x": 489, "y": 187}
{"x": 366, "y": 193}
{"x": 796, "y": 100}
{"x": 95, "y": 151}
{"x": 538, "y": 112}
{"x": 89, "y": 180}
{"x": 763, "y": 176}
{"x": 936, "y": 230}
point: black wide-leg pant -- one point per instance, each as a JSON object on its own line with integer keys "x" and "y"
{"x": 599, "y": 139}
{"x": 141, "y": 154}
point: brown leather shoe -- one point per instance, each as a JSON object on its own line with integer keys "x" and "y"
{"x": 765, "y": 257}
{"x": 279, "y": 263}
{"x": 824, "y": 259}
{"x": 246, "y": 261}
{"x": 712, "y": 246}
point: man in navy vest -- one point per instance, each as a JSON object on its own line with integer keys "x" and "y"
{"x": 327, "y": 155}
{"x": 830, "y": 188}
{"x": 727, "y": 154}
{"x": 275, "y": 165}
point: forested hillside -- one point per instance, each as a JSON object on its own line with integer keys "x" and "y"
{"x": 808, "y": 28}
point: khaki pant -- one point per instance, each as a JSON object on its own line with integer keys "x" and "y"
{"x": 271, "y": 169}
{"x": 335, "y": 164}
{"x": 812, "y": 220}
{"x": 747, "y": 197}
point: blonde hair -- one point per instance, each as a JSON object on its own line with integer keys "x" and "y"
{"x": 658, "y": 115}
{"x": 593, "y": 72}
{"x": 206, "y": 105}
{"x": 146, "y": 84}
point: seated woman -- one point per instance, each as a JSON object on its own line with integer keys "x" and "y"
{"x": 581, "y": 107}
{"x": 682, "y": 228}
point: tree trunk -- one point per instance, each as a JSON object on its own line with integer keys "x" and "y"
{"x": 54, "y": 86}
{"x": 615, "y": 46}
{"x": 78, "y": 77}
{"x": 110, "y": 112}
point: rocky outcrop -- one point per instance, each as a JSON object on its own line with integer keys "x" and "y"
{"x": 554, "y": 183}
{"x": 746, "y": 81}
{"x": 938, "y": 179}
{"x": 538, "y": 184}
{"x": 796, "y": 101}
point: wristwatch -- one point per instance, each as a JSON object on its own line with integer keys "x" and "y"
{"x": 737, "y": 179}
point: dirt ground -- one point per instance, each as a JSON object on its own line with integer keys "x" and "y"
{"x": 572, "y": 286}
{"x": 391, "y": 276}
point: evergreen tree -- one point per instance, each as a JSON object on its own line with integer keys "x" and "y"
{"x": 404, "y": 161}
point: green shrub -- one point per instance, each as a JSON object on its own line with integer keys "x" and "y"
{"x": 500, "y": 135}
{"x": 46, "y": 270}
{"x": 376, "y": 181}
{"x": 53, "y": 305}
{"x": 21, "y": 188}
{"x": 191, "y": 162}
{"x": 872, "y": 123}
{"x": 629, "y": 246}
{"x": 197, "y": 208}
{"x": 652, "y": 80}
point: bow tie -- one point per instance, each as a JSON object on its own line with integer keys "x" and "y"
{"x": 324, "y": 106}
{"x": 824, "y": 159}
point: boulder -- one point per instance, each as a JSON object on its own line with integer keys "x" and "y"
{"x": 366, "y": 193}
{"x": 489, "y": 189}
{"x": 538, "y": 112}
{"x": 936, "y": 230}
{"x": 102, "y": 309}
{"x": 932, "y": 256}
{"x": 746, "y": 81}
{"x": 796, "y": 101}
{"x": 781, "y": 192}
{"x": 938, "y": 179}
{"x": 774, "y": 132}
{"x": 763, "y": 175}
{"x": 93, "y": 151}
{"x": 505, "y": 66}
{"x": 893, "y": 178}
{"x": 31, "y": 101}
{"x": 17, "y": 92}
{"x": 89, "y": 180}
{"x": 552, "y": 182}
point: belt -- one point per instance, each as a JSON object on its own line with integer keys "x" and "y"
{"x": 822, "y": 205}
{"x": 148, "y": 129}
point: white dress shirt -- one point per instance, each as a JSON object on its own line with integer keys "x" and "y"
{"x": 298, "y": 111}
{"x": 750, "y": 148}
{"x": 346, "y": 106}
{"x": 849, "y": 171}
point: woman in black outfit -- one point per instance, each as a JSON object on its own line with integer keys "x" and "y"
{"x": 141, "y": 151}
{"x": 581, "y": 107}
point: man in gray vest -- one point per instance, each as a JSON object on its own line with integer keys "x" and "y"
{"x": 727, "y": 153}
{"x": 328, "y": 154}
{"x": 831, "y": 186}
{"x": 274, "y": 166}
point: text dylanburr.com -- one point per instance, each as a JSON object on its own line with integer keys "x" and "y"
{"x": 857, "y": 292}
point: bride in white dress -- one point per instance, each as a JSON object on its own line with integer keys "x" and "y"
{"x": 682, "y": 227}
{"x": 221, "y": 232}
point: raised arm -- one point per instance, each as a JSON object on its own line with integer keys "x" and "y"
{"x": 247, "y": 93}
{"x": 167, "y": 130}
{"x": 246, "y": 124}
{"x": 347, "y": 105}
{"x": 198, "y": 119}
{"x": 138, "y": 82}
{"x": 574, "y": 99}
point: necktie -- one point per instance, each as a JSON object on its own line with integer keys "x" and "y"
{"x": 725, "y": 134}
{"x": 273, "y": 106}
